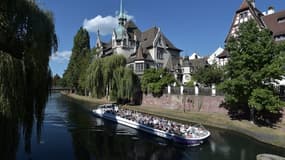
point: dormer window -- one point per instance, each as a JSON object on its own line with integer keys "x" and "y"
{"x": 281, "y": 20}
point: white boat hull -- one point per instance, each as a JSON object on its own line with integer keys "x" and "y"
{"x": 160, "y": 133}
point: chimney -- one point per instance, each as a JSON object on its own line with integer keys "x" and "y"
{"x": 270, "y": 10}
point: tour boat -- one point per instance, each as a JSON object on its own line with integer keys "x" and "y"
{"x": 198, "y": 133}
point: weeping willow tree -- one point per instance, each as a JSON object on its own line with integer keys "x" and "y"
{"x": 110, "y": 77}
{"x": 95, "y": 79}
{"x": 27, "y": 39}
{"x": 109, "y": 65}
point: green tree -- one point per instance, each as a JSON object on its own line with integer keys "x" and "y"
{"x": 75, "y": 74}
{"x": 110, "y": 63}
{"x": 27, "y": 39}
{"x": 209, "y": 75}
{"x": 95, "y": 79}
{"x": 155, "y": 80}
{"x": 256, "y": 62}
{"x": 56, "y": 80}
{"x": 110, "y": 77}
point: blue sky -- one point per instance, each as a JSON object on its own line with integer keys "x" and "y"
{"x": 193, "y": 26}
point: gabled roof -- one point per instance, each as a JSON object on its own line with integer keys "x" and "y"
{"x": 257, "y": 15}
{"x": 148, "y": 37}
{"x": 132, "y": 30}
{"x": 140, "y": 55}
{"x": 272, "y": 23}
{"x": 244, "y": 5}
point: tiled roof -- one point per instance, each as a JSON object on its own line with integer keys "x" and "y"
{"x": 272, "y": 23}
{"x": 149, "y": 36}
{"x": 244, "y": 5}
{"x": 132, "y": 30}
{"x": 140, "y": 54}
{"x": 257, "y": 15}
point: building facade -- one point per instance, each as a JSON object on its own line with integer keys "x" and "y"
{"x": 143, "y": 50}
{"x": 274, "y": 21}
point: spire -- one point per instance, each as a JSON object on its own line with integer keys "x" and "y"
{"x": 98, "y": 34}
{"x": 98, "y": 41}
{"x": 122, "y": 16}
{"x": 121, "y": 10}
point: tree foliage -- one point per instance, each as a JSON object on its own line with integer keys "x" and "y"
{"x": 109, "y": 76}
{"x": 56, "y": 80}
{"x": 75, "y": 74}
{"x": 209, "y": 75}
{"x": 155, "y": 80}
{"x": 256, "y": 63}
{"x": 27, "y": 39}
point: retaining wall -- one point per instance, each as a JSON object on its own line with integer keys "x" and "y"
{"x": 187, "y": 102}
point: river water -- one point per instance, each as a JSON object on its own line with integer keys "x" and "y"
{"x": 70, "y": 131}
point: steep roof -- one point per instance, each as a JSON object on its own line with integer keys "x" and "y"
{"x": 257, "y": 15}
{"x": 148, "y": 37}
{"x": 273, "y": 22}
{"x": 141, "y": 54}
{"x": 244, "y": 5}
{"x": 132, "y": 30}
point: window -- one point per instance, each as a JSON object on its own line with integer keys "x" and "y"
{"x": 243, "y": 17}
{"x": 139, "y": 67}
{"x": 159, "y": 53}
{"x": 281, "y": 20}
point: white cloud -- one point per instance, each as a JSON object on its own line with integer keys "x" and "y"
{"x": 60, "y": 56}
{"x": 104, "y": 24}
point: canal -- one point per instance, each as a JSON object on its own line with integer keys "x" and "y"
{"x": 71, "y": 132}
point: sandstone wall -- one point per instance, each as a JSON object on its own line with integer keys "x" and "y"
{"x": 187, "y": 102}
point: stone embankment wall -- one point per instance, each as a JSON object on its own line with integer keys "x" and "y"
{"x": 188, "y": 102}
{"x": 209, "y": 104}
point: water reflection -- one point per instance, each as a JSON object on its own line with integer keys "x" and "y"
{"x": 9, "y": 138}
{"x": 71, "y": 130}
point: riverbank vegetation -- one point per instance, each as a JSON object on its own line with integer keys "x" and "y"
{"x": 27, "y": 39}
{"x": 208, "y": 75}
{"x": 111, "y": 78}
{"x": 155, "y": 80}
{"x": 252, "y": 73}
